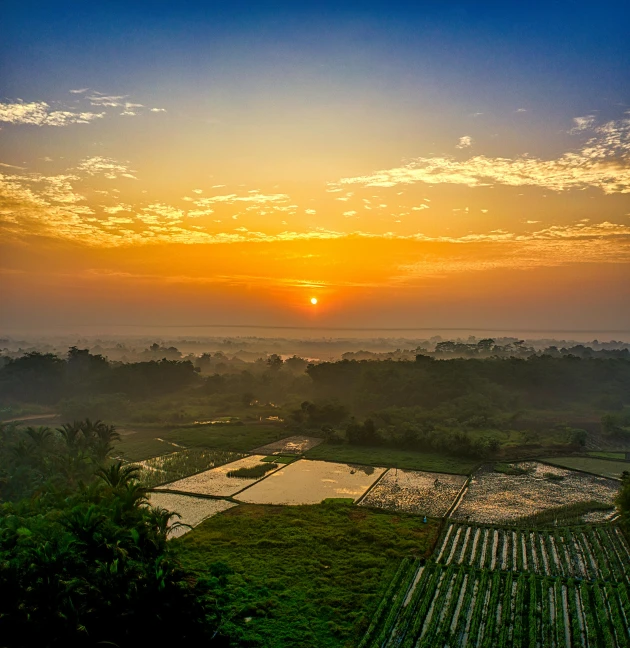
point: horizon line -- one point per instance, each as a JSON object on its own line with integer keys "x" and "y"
{"x": 345, "y": 328}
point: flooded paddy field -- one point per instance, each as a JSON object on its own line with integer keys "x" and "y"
{"x": 413, "y": 491}
{"x": 193, "y": 510}
{"x": 216, "y": 481}
{"x": 178, "y": 465}
{"x": 495, "y": 497}
{"x": 295, "y": 445}
{"x": 311, "y": 482}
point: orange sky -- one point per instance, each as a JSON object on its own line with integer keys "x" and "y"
{"x": 392, "y": 193}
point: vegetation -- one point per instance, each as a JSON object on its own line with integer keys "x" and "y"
{"x": 254, "y": 472}
{"x": 87, "y": 562}
{"x": 489, "y": 406}
{"x": 177, "y": 465}
{"x": 33, "y": 459}
{"x": 594, "y": 465}
{"x": 487, "y": 586}
{"x": 404, "y": 459}
{"x": 146, "y": 443}
{"x": 280, "y": 459}
{"x": 84, "y": 558}
{"x": 512, "y": 469}
{"x": 302, "y": 575}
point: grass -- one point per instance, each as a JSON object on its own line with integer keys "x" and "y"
{"x": 308, "y": 576}
{"x": 177, "y": 465}
{"x": 603, "y": 467}
{"x": 509, "y": 469}
{"x": 405, "y": 459}
{"x": 608, "y": 455}
{"x": 338, "y": 500}
{"x": 142, "y": 443}
{"x": 254, "y": 472}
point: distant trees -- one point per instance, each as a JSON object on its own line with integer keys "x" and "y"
{"x": 317, "y": 414}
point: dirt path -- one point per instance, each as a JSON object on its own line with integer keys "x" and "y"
{"x": 32, "y": 417}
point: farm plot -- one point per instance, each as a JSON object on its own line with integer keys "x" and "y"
{"x": 216, "y": 481}
{"x": 177, "y": 465}
{"x": 495, "y": 498}
{"x": 595, "y": 465}
{"x": 293, "y": 445}
{"x": 192, "y": 510}
{"x": 460, "y": 606}
{"x": 311, "y": 482}
{"x": 415, "y": 492}
{"x": 597, "y": 552}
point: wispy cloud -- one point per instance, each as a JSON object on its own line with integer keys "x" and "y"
{"x": 131, "y": 109}
{"x": 109, "y": 101}
{"x": 602, "y": 162}
{"x": 107, "y": 167}
{"x": 582, "y": 123}
{"x": 78, "y": 91}
{"x": 254, "y": 197}
{"x": 39, "y": 113}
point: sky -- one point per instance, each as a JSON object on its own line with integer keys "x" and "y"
{"x": 429, "y": 165}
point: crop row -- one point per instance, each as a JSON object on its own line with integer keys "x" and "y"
{"x": 593, "y": 553}
{"x": 458, "y": 606}
{"x": 177, "y": 465}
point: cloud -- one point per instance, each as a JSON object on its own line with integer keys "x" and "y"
{"x": 115, "y": 209}
{"x": 257, "y": 198}
{"x": 464, "y": 142}
{"x": 157, "y": 110}
{"x": 11, "y": 166}
{"x": 39, "y": 113}
{"x": 420, "y": 208}
{"x": 78, "y": 91}
{"x": 582, "y": 123}
{"x": 349, "y": 213}
{"x": 602, "y": 162}
{"x": 131, "y": 109}
{"x": 109, "y": 101}
{"x": 107, "y": 167}
{"x": 521, "y": 110}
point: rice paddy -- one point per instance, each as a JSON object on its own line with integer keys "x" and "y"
{"x": 412, "y": 491}
{"x": 192, "y": 510}
{"x": 177, "y": 465}
{"x": 311, "y": 482}
{"x": 216, "y": 482}
{"x": 293, "y": 445}
{"x": 495, "y": 498}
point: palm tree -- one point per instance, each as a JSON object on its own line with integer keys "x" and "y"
{"x": 118, "y": 475}
{"x": 164, "y": 521}
{"x": 39, "y": 436}
{"x": 105, "y": 435}
{"x": 72, "y": 434}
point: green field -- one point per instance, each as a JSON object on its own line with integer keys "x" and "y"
{"x": 608, "y": 455}
{"x": 488, "y": 587}
{"x": 603, "y": 467}
{"x": 303, "y": 575}
{"x": 405, "y": 459}
{"x": 143, "y": 443}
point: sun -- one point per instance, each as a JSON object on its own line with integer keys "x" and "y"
{"x": 314, "y": 300}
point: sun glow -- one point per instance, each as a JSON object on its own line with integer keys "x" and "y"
{"x": 314, "y": 301}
